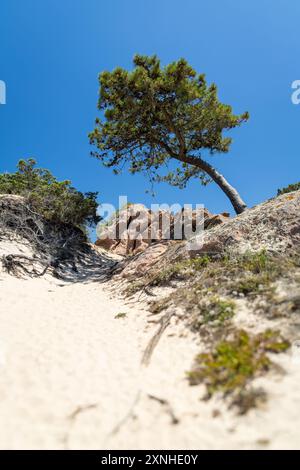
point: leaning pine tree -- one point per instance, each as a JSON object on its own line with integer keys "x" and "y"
{"x": 153, "y": 115}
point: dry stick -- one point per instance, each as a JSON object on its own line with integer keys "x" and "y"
{"x": 164, "y": 323}
{"x": 72, "y": 417}
{"x": 128, "y": 415}
{"x": 81, "y": 409}
{"x": 168, "y": 407}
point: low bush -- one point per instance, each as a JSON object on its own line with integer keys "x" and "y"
{"x": 288, "y": 189}
{"x": 57, "y": 201}
{"x": 231, "y": 365}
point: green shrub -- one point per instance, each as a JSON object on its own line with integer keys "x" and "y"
{"x": 232, "y": 364}
{"x": 57, "y": 201}
{"x": 288, "y": 189}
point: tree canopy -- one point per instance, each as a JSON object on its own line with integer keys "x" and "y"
{"x": 155, "y": 114}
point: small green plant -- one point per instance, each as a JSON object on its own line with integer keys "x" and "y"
{"x": 233, "y": 363}
{"x": 121, "y": 315}
{"x": 288, "y": 189}
{"x": 200, "y": 262}
{"x": 214, "y": 312}
{"x": 256, "y": 262}
{"x": 272, "y": 341}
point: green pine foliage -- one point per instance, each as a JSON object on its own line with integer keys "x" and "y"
{"x": 154, "y": 114}
{"x": 150, "y": 109}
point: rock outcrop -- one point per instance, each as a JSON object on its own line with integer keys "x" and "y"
{"x": 273, "y": 225}
{"x": 135, "y": 228}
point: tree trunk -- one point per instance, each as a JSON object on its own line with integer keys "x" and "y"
{"x": 238, "y": 204}
{"x": 234, "y": 197}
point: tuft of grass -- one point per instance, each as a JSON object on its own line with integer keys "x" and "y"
{"x": 221, "y": 276}
{"x": 179, "y": 270}
{"x": 256, "y": 262}
{"x": 121, "y": 315}
{"x": 233, "y": 363}
{"x": 253, "y": 284}
{"x": 252, "y": 274}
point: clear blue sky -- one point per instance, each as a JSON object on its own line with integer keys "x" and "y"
{"x": 51, "y": 52}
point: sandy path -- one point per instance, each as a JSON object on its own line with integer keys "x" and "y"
{"x": 71, "y": 377}
{"x": 70, "y": 371}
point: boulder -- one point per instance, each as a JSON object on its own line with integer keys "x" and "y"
{"x": 135, "y": 227}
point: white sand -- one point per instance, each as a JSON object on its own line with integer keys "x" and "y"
{"x": 71, "y": 377}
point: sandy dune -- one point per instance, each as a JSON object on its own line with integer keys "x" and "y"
{"x": 71, "y": 377}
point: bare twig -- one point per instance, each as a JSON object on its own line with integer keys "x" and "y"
{"x": 168, "y": 407}
{"x": 128, "y": 415}
{"x": 164, "y": 323}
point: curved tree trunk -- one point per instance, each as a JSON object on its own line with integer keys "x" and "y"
{"x": 238, "y": 204}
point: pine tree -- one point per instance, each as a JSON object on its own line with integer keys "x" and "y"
{"x": 154, "y": 115}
